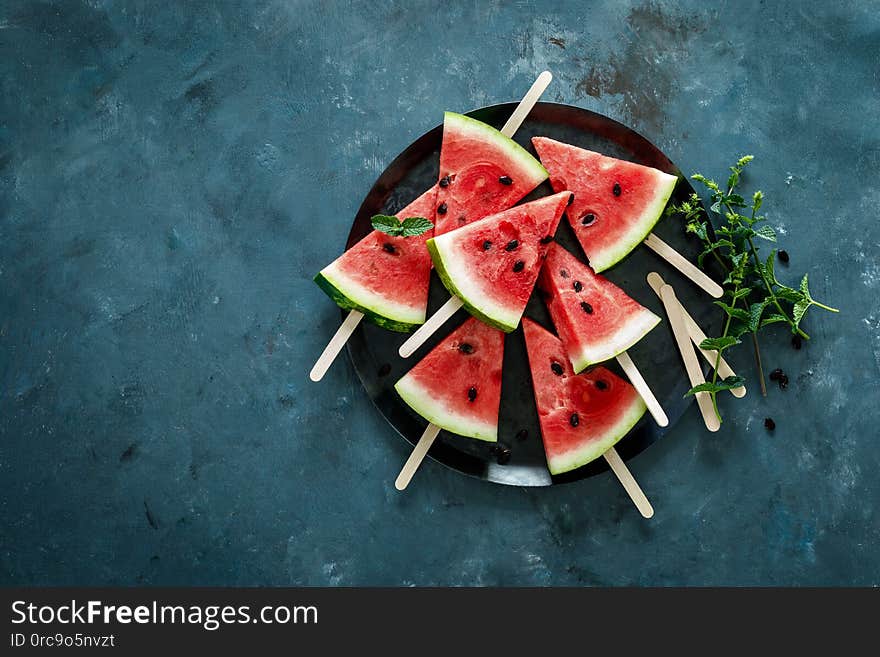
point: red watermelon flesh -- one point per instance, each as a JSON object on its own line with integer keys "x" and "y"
{"x": 596, "y": 320}
{"x": 481, "y": 172}
{"x": 457, "y": 386}
{"x": 385, "y": 277}
{"x": 492, "y": 264}
{"x": 616, "y": 203}
{"x": 581, "y": 415}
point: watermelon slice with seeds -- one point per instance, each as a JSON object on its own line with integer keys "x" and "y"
{"x": 481, "y": 172}
{"x": 581, "y": 415}
{"x": 492, "y": 264}
{"x": 596, "y": 320}
{"x": 457, "y": 386}
{"x": 616, "y": 203}
{"x": 385, "y": 277}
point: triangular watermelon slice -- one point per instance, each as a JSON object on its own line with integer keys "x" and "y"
{"x": 385, "y": 277}
{"x": 492, "y": 264}
{"x": 616, "y": 203}
{"x": 481, "y": 172}
{"x": 457, "y": 386}
{"x": 581, "y": 416}
{"x": 596, "y": 320}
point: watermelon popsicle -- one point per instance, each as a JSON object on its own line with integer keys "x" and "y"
{"x": 456, "y": 387}
{"x": 368, "y": 281}
{"x": 616, "y": 206}
{"x": 582, "y": 416}
{"x": 595, "y": 319}
{"x": 490, "y": 266}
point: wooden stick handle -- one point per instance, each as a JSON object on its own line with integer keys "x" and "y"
{"x": 526, "y": 104}
{"x": 697, "y": 336}
{"x": 635, "y": 377}
{"x": 630, "y": 485}
{"x": 418, "y": 455}
{"x": 683, "y": 265}
{"x": 689, "y": 356}
{"x": 337, "y": 342}
{"x": 426, "y": 330}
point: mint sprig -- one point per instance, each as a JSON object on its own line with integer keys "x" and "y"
{"x": 409, "y": 227}
{"x": 751, "y": 286}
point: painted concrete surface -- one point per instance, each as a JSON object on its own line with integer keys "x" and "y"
{"x": 173, "y": 174}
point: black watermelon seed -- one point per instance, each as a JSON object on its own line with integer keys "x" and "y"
{"x": 444, "y": 181}
{"x": 487, "y": 245}
{"x": 547, "y": 239}
{"x": 466, "y": 348}
{"x": 783, "y": 382}
{"x": 441, "y": 209}
{"x": 563, "y": 273}
{"x": 557, "y": 368}
{"x": 587, "y": 307}
{"x": 472, "y": 393}
{"x": 601, "y": 384}
{"x": 776, "y": 374}
{"x": 578, "y": 286}
{"x": 769, "y": 424}
{"x": 570, "y": 199}
{"x": 518, "y": 266}
{"x": 511, "y": 245}
{"x": 588, "y": 219}
{"x": 783, "y": 256}
{"x": 522, "y": 434}
{"x": 616, "y": 189}
{"x": 574, "y": 420}
{"x": 385, "y": 370}
{"x": 502, "y": 453}
{"x": 389, "y": 248}
{"x": 505, "y": 180}
{"x": 796, "y": 341}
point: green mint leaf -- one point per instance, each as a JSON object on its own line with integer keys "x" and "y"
{"x": 767, "y": 233}
{"x": 733, "y": 179}
{"x": 805, "y": 290}
{"x": 413, "y": 226}
{"x": 727, "y": 384}
{"x": 755, "y": 312}
{"x": 768, "y": 267}
{"x": 741, "y": 293}
{"x": 788, "y": 294}
{"x": 772, "y": 319}
{"x": 708, "y": 386}
{"x": 718, "y": 344}
{"x": 800, "y": 309}
{"x": 387, "y": 224}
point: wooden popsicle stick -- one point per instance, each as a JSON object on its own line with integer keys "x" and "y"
{"x": 629, "y": 483}
{"x": 635, "y": 377}
{"x": 354, "y": 317}
{"x": 426, "y": 330}
{"x": 418, "y": 455}
{"x": 689, "y": 356}
{"x": 683, "y": 265}
{"x": 539, "y": 86}
{"x": 343, "y": 333}
{"x": 697, "y": 336}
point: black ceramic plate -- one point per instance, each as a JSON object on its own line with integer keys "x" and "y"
{"x": 373, "y": 350}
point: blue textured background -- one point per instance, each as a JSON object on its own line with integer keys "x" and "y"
{"x": 172, "y": 175}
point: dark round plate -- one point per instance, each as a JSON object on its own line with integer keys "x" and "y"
{"x": 373, "y": 351}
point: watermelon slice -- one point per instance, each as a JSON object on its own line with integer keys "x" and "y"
{"x": 581, "y": 415}
{"x": 616, "y": 203}
{"x": 596, "y": 320}
{"x": 385, "y": 277}
{"x": 481, "y": 172}
{"x": 492, "y": 264}
{"x": 457, "y": 386}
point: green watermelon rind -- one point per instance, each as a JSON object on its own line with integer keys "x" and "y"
{"x": 636, "y": 328}
{"x": 424, "y": 403}
{"x": 520, "y": 155}
{"x": 478, "y": 309}
{"x": 640, "y": 228}
{"x": 350, "y": 296}
{"x": 575, "y": 458}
